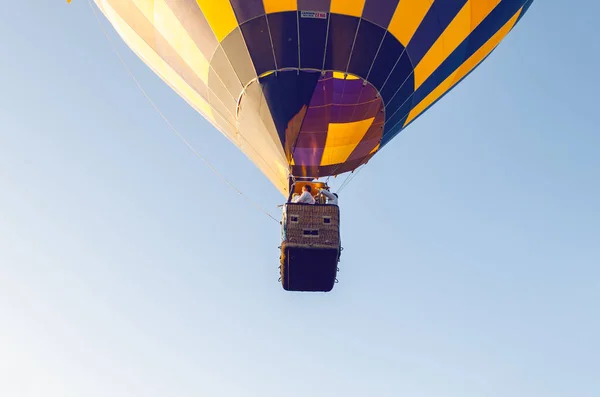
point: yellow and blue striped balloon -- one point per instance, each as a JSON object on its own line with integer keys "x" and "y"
{"x": 312, "y": 88}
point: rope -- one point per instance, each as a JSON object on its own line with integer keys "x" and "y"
{"x": 349, "y": 179}
{"x": 173, "y": 129}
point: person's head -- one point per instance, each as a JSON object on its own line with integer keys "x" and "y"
{"x": 306, "y": 188}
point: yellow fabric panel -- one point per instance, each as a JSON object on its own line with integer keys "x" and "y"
{"x": 340, "y": 76}
{"x": 347, "y": 7}
{"x": 465, "y": 68}
{"x": 280, "y": 5}
{"x": 376, "y": 148}
{"x": 292, "y": 132}
{"x": 258, "y": 138}
{"x": 146, "y": 7}
{"x": 220, "y": 16}
{"x": 407, "y": 18}
{"x": 480, "y": 10}
{"x": 269, "y": 158}
{"x": 156, "y": 63}
{"x": 342, "y": 139}
{"x": 171, "y": 29}
{"x": 469, "y": 17}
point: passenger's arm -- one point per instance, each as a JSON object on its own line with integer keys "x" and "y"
{"x": 304, "y": 198}
{"x": 327, "y": 194}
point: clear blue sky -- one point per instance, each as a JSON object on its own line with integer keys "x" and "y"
{"x": 472, "y": 242}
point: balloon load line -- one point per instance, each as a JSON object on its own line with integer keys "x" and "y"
{"x": 169, "y": 124}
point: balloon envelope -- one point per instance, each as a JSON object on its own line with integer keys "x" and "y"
{"x": 312, "y": 87}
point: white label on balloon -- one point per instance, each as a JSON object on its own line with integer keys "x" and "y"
{"x": 313, "y": 14}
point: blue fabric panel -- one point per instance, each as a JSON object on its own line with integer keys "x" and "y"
{"x": 247, "y": 9}
{"x": 401, "y": 76}
{"x": 380, "y": 11}
{"x": 256, "y": 35}
{"x": 392, "y": 129}
{"x": 313, "y": 33}
{"x": 342, "y": 30}
{"x": 286, "y": 93}
{"x": 367, "y": 43}
{"x": 284, "y": 33}
{"x": 402, "y": 96}
{"x": 437, "y": 19}
{"x": 497, "y": 18}
{"x": 505, "y": 10}
{"x": 401, "y": 113}
{"x": 390, "y": 51}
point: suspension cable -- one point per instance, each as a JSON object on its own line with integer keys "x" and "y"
{"x": 349, "y": 179}
{"x": 169, "y": 124}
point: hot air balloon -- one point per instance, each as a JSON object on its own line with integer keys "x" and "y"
{"x": 308, "y": 89}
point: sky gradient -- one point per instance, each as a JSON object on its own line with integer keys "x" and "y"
{"x": 127, "y": 268}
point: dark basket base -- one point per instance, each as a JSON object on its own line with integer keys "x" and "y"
{"x": 308, "y": 269}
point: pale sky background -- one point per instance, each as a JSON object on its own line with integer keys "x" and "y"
{"x": 127, "y": 268}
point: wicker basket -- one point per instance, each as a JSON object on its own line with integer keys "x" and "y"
{"x": 310, "y": 250}
{"x": 312, "y": 225}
